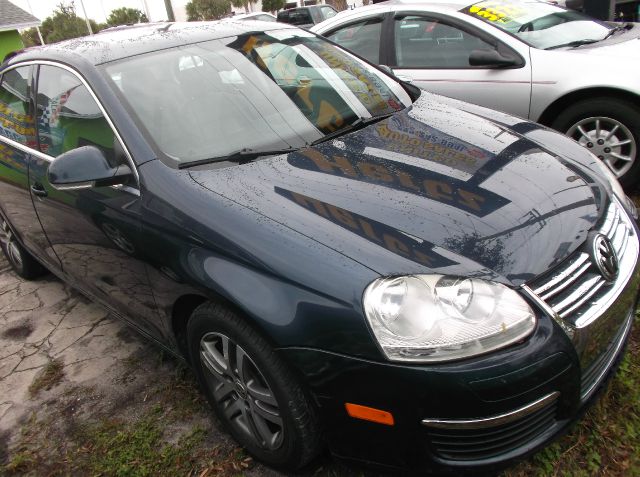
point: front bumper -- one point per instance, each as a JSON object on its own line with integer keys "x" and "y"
{"x": 479, "y": 390}
{"x": 483, "y": 412}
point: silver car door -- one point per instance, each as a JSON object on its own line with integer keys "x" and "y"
{"x": 434, "y": 52}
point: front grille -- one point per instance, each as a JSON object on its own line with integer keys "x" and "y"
{"x": 486, "y": 443}
{"x": 571, "y": 289}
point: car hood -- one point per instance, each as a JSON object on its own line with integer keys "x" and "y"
{"x": 432, "y": 189}
{"x": 625, "y": 45}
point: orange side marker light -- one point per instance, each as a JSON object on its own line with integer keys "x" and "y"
{"x": 369, "y": 414}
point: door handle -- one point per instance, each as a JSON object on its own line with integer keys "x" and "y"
{"x": 38, "y": 190}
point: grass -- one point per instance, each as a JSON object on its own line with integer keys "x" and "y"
{"x": 121, "y": 447}
{"x": 47, "y": 378}
{"x": 606, "y": 442}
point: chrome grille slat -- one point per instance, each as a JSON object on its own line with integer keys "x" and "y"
{"x": 582, "y": 300}
{"x": 582, "y": 258}
{"x": 613, "y": 217}
{"x": 568, "y": 281}
{"x": 623, "y": 245}
{"x": 586, "y": 288}
{"x": 618, "y": 237}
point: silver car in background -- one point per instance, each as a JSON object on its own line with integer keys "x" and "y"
{"x": 525, "y": 57}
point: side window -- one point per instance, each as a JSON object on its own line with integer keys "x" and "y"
{"x": 422, "y": 42}
{"x": 16, "y": 118}
{"x": 67, "y": 115}
{"x": 300, "y": 17}
{"x": 363, "y": 38}
{"x": 327, "y": 12}
{"x": 283, "y": 16}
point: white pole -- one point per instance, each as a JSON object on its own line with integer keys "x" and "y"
{"x": 146, "y": 9}
{"x": 37, "y": 27}
{"x": 86, "y": 18}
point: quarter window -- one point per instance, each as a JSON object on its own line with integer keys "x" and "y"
{"x": 327, "y": 12}
{"x": 422, "y": 42}
{"x": 363, "y": 38}
{"x": 67, "y": 115}
{"x": 16, "y": 119}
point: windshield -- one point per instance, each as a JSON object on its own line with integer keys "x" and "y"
{"x": 539, "y": 24}
{"x": 275, "y": 90}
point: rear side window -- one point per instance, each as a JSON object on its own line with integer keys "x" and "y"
{"x": 327, "y": 12}
{"x": 296, "y": 17}
{"x": 16, "y": 117}
{"x": 67, "y": 115}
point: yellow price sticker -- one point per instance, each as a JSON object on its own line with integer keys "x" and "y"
{"x": 496, "y": 11}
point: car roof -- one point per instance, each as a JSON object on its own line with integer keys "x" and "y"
{"x": 392, "y": 5}
{"x": 453, "y": 4}
{"x": 122, "y": 42}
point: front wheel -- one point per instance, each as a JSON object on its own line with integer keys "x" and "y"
{"x": 251, "y": 389}
{"x": 20, "y": 260}
{"x": 610, "y": 129}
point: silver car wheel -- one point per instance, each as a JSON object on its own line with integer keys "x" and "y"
{"x": 10, "y": 244}
{"x": 609, "y": 139}
{"x": 241, "y": 391}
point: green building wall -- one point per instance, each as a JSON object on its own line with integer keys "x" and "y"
{"x": 9, "y": 41}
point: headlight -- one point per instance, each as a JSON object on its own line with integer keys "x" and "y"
{"x": 428, "y": 318}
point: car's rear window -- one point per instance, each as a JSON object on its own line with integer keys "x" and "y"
{"x": 300, "y": 16}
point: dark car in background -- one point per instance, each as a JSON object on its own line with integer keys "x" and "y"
{"x": 344, "y": 261}
{"x": 306, "y": 17}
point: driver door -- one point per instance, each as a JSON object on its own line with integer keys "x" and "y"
{"x": 433, "y": 52}
{"x": 94, "y": 231}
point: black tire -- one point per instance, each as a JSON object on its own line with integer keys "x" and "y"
{"x": 612, "y": 112}
{"x": 288, "y": 446}
{"x": 20, "y": 260}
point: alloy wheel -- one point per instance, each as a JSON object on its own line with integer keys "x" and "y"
{"x": 241, "y": 391}
{"x": 609, "y": 139}
{"x": 10, "y": 244}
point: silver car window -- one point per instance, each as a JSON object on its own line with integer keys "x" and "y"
{"x": 422, "y": 42}
{"x": 363, "y": 38}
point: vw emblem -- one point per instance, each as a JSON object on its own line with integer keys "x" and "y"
{"x": 604, "y": 257}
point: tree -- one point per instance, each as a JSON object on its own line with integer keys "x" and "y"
{"x": 30, "y": 37}
{"x": 198, "y": 10}
{"x": 242, "y": 3}
{"x": 126, "y": 16}
{"x": 63, "y": 25}
{"x": 338, "y": 4}
{"x": 272, "y": 5}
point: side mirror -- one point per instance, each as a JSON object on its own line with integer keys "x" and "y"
{"x": 85, "y": 166}
{"x": 491, "y": 59}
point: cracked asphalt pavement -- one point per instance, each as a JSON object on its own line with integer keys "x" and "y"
{"x": 43, "y": 321}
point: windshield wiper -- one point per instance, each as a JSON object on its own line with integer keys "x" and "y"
{"x": 357, "y": 124}
{"x": 573, "y": 44}
{"x": 241, "y": 156}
